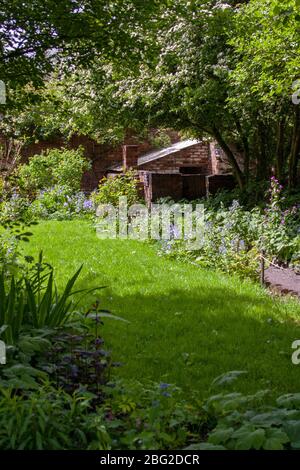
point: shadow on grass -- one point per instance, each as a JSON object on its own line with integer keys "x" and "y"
{"x": 189, "y": 338}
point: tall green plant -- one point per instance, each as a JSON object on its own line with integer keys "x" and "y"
{"x": 33, "y": 300}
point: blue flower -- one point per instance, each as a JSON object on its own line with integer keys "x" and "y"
{"x": 164, "y": 386}
{"x": 88, "y": 204}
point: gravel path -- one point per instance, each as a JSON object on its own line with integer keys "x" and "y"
{"x": 285, "y": 281}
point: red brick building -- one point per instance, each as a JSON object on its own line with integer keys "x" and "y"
{"x": 187, "y": 169}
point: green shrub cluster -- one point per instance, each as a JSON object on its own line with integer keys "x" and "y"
{"x": 48, "y": 187}
{"x": 56, "y": 167}
{"x": 111, "y": 189}
{"x": 233, "y": 237}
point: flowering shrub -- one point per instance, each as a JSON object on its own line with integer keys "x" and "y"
{"x": 14, "y": 207}
{"x": 8, "y": 249}
{"x": 56, "y": 167}
{"x": 59, "y": 202}
{"x": 226, "y": 242}
{"x": 234, "y": 238}
{"x": 279, "y": 231}
{"x": 111, "y": 189}
{"x": 48, "y": 187}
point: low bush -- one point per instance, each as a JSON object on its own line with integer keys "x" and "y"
{"x": 150, "y": 416}
{"x": 56, "y": 167}
{"x": 47, "y": 419}
{"x": 111, "y": 189}
{"x": 48, "y": 187}
{"x": 60, "y": 203}
{"x": 233, "y": 237}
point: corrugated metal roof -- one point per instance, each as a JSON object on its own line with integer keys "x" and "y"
{"x": 156, "y": 154}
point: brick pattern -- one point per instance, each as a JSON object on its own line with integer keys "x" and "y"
{"x": 196, "y": 156}
{"x": 130, "y": 156}
{"x": 219, "y": 160}
{"x": 189, "y": 173}
{"x": 102, "y": 156}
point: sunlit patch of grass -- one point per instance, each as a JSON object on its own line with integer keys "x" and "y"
{"x": 187, "y": 325}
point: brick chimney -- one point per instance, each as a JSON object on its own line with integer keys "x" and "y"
{"x": 130, "y": 156}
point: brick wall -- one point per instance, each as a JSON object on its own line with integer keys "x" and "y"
{"x": 102, "y": 156}
{"x": 163, "y": 176}
{"x": 196, "y": 156}
{"x": 219, "y": 161}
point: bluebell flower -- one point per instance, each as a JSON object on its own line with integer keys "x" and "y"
{"x": 88, "y": 205}
{"x": 235, "y": 205}
{"x": 222, "y": 250}
{"x": 164, "y": 386}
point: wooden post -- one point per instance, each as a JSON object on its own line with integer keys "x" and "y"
{"x": 262, "y": 268}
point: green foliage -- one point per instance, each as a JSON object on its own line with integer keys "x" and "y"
{"x": 47, "y": 419}
{"x": 244, "y": 423}
{"x": 204, "y": 309}
{"x": 61, "y": 203}
{"x": 58, "y": 202}
{"x": 160, "y": 140}
{"x": 8, "y": 249}
{"x": 2, "y": 185}
{"x": 233, "y": 237}
{"x": 141, "y": 416}
{"x": 111, "y": 189}
{"x": 14, "y": 208}
{"x": 247, "y": 422}
{"x": 150, "y": 416}
{"x": 77, "y": 33}
{"x": 156, "y": 416}
{"x": 57, "y": 167}
{"x": 34, "y": 301}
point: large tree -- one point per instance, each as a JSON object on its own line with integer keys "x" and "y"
{"x": 223, "y": 69}
{"x": 36, "y": 35}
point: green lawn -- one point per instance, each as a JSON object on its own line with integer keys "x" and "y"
{"x": 187, "y": 325}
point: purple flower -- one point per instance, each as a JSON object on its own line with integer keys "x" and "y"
{"x": 164, "y": 386}
{"x": 222, "y": 250}
{"x": 174, "y": 231}
{"x": 88, "y": 204}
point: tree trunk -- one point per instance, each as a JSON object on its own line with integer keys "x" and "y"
{"x": 231, "y": 157}
{"x": 295, "y": 148}
{"x": 262, "y": 163}
{"x": 246, "y": 148}
{"x": 280, "y": 157}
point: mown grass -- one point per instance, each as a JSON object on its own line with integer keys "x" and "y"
{"x": 187, "y": 325}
